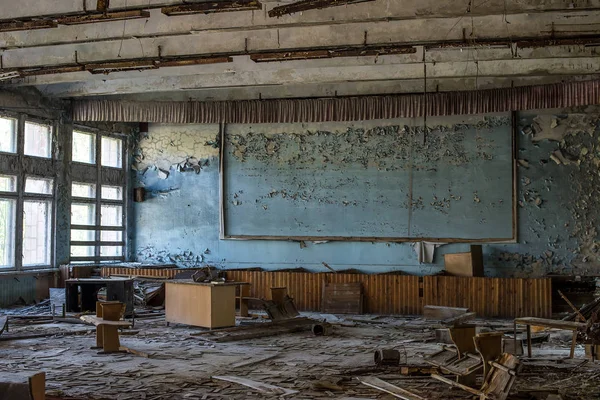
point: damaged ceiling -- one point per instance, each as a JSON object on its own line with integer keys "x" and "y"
{"x": 231, "y": 50}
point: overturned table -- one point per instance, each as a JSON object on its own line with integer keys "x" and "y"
{"x": 548, "y": 323}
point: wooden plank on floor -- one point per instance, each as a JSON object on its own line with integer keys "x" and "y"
{"x": 386, "y": 387}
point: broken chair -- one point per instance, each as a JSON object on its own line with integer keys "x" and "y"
{"x": 498, "y": 381}
{"x": 470, "y": 354}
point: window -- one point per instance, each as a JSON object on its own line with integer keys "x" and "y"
{"x": 86, "y": 190}
{"x": 7, "y": 232}
{"x": 84, "y": 147}
{"x": 111, "y": 215}
{"x": 38, "y": 140}
{"x": 112, "y": 193}
{"x": 112, "y": 152}
{"x": 8, "y": 183}
{"x": 39, "y": 185}
{"x": 27, "y": 201}
{"x": 83, "y": 214}
{"x": 36, "y": 232}
{"x": 8, "y": 135}
{"x": 98, "y": 209}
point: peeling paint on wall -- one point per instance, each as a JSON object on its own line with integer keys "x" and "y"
{"x": 557, "y": 217}
{"x": 180, "y": 147}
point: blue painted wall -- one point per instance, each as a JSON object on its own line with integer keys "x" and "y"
{"x": 179, "y": 221}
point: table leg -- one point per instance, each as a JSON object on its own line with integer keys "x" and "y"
{"x": 573, "y": 343}
{"x": 515, "y": 338}
{"x": 244, "y": 293}
{"x": 529, "y": 340}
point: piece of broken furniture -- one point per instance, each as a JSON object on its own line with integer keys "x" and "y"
{"x": 469, "y": 354}
{"x": 22, "y": 386}
{"x": 281, "y": 306}
{"x": 343, "y": 298}
{"x": 82, "y": 294}
{"x": 548, "y": 323}
{"x": 465, "y": 264}
{"x": 497, "y": 383}
{"x": 242, "y": 298}
{"x": 461, "y": 359}
{"x": 207, "y": 305}
{"x": 108, "y": 320}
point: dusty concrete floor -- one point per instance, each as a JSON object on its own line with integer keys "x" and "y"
{"x": 180, "y": 366}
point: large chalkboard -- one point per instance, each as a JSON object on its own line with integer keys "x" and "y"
{"x": 371, "y": 181}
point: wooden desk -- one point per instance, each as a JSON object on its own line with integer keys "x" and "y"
{"x": 117, "y": 289}
{"x": 208, "y": 305}
{"x": 548, "y": 323}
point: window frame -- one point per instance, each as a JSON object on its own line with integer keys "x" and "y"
{"x": 98, "y": 201}
{"x": 22, "y": 171}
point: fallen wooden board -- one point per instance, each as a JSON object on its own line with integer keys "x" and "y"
{"x": 395, "y": 391}
{"x": 6, "y": 338}
{"x": 254, "y": 361}
{"x": 443, "y": 313}
{"x": 261, "y": 387}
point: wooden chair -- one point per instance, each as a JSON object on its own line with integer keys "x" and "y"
{"x": 498, "y": 381}
{"x": 107, "y": 322}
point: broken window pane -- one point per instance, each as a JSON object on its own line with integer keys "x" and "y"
{"x": 84, "y": 147}
{"x": 38, "y": 140}
{"x": 83, "y": 235}
{"x": 8, "y": 183}
{"x": 8, "y": 135}
{"x": 39, "y": 185}
{"x": 112, "y": 193}
{"x": 111, "y": 251}
{"x": 87, "y": 190}
{"x": 111, "y": 215}
{"x": 83, "y": 214}
{"x": 36, "y": 232}
{"x": 112, "y": 153}
{"x": 111, "y": 236}
{"x": 82, "y": 251}
{"x": 7, "y": 233}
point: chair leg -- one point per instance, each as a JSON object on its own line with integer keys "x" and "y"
{"x": 111, "y": 342}
{"x": 99, "y": 337}
{"x": 573, "y": 344}
{"x": 529, "y": 340}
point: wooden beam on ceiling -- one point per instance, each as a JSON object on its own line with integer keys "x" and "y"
{"x": 102, "y": 17}
{"x": 212, "y": 7}
{"x": 8, "y": 26}
{"x": 316, "y": 54}
{"x": 306, "y": 5}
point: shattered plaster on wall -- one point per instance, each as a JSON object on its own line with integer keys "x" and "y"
{"x": 559, "y": 186}
{"x": 380, "y": 146}
{"x": 176, "y": 147}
